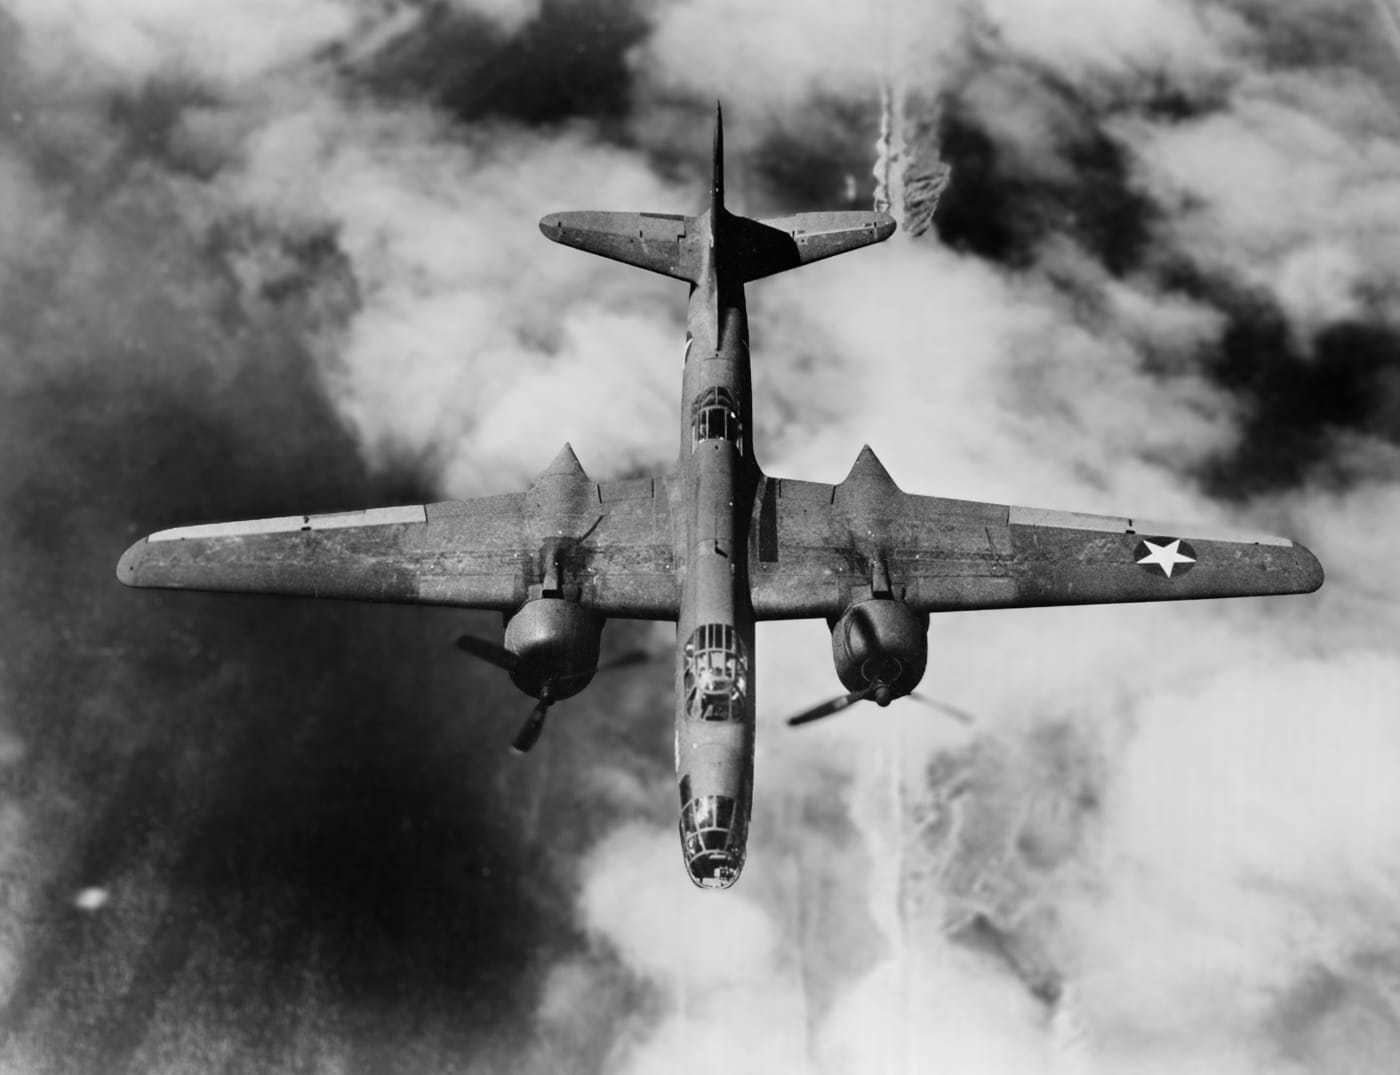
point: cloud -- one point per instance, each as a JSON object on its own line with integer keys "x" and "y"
{"x": 1250, "y": 845}
{"x": 1098, "y": 42}
{"x": 132, "y": 42}
{"x": 1284, "y": 192}
{"x": 242, "y": 279}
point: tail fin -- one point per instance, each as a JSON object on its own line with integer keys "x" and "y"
{"x": 749, "y": 249}
{"x": 717, "y": 184}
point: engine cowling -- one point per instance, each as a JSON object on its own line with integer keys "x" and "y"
{"x": 555, "y": 644}
{"x": 880, "y": 646}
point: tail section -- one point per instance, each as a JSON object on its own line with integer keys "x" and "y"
{"x": 745, "y": 249}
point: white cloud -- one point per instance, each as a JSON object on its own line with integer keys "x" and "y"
{"x": 225, "y": 44}
{"x": 1282, "y": 193}
{"x": 1085, "y": 40}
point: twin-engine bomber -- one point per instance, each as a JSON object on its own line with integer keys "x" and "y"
{"x": 715, "y": 544}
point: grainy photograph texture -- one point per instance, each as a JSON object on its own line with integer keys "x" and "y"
{"x": 283, "y": 261}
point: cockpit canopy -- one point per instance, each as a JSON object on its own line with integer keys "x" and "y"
{"x": 716, "y": 673}
{"x": 714, "y": 416}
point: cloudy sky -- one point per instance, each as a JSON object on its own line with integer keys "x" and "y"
{"x": 275, "y": 257}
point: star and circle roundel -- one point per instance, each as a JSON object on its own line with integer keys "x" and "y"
{"x": 1165, "y": 556}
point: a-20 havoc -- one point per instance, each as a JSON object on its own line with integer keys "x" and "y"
{"x": 717, "y": 544}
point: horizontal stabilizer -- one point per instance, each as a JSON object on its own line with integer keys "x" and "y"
{"x": 660, "y": 242}
{"x": 760, "y": 248}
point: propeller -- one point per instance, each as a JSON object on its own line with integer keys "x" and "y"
{"x": 626, "y": 660}
{"x": 962, "y": 716}
{"x": 501, "y": 657}
{"x": 487, "y": 651}
{"x": 529, "y": 733}
{"x": 835, "y": 705}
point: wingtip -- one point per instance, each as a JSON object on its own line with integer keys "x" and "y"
{"x": 129, "y": 563}
{"x": 1313, "y": 575}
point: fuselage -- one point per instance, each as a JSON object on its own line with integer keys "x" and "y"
{"x": 715, "y": 628}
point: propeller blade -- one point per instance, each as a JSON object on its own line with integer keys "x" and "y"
{"x": 962, "y": 716}
{"x": 826, "y": 709}
{"x": 529, "y": 733}
{"x": 625, "y": 660}
{"x": 487, "y": 651}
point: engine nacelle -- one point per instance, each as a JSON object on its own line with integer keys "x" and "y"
{"x": 555, "y": 643}
{"x": 881, "y": 646}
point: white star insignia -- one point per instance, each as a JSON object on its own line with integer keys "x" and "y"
{"x": 1165, "y": 556}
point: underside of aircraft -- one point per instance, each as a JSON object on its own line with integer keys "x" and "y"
{"x": 715, "y": 544}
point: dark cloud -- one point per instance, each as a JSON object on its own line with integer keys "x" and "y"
{"x": 1004, "y": 200}
{"x": 567, "y": 61}
{"x": 818, "y": 158}
{"x": 1299, "y": 400}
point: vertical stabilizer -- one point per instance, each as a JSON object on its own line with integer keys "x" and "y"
{"x": 717, "y": 186}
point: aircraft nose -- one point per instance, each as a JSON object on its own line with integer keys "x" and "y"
{"x": 712, "y": 828}
{"x": 715, "y": 869}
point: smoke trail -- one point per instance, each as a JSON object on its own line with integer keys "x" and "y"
{"x": 910, "y": 172}
{"x": 885, "y": 156}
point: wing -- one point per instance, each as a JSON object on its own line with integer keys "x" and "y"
{"x": 608, "y": 545}
{"x": 816, "y": 547}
